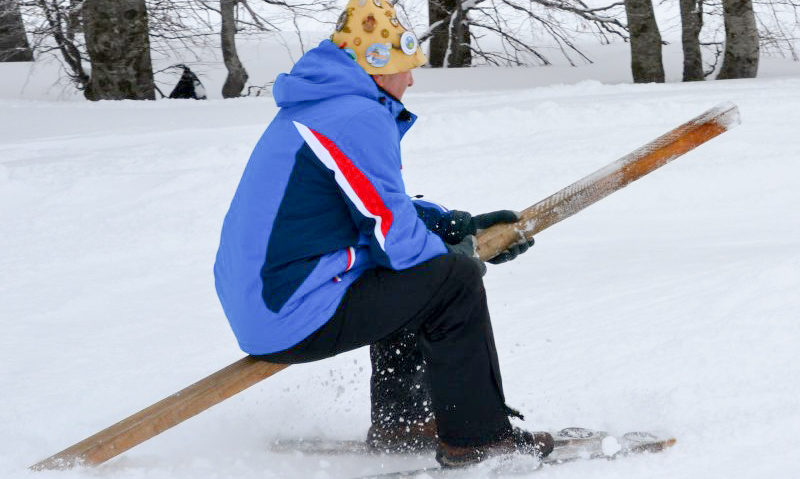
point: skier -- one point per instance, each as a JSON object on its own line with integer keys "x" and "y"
{"x": 322, "y": 251}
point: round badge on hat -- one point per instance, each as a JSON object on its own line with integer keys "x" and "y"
{"x": 378, "y": 55}
{"x": 408, "y": 43}
{"x": 368, "y": 24}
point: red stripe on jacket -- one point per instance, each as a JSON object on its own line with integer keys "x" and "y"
{"x": 360, "y": 183}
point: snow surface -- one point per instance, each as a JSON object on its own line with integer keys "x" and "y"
{"x": 672, "y": 305}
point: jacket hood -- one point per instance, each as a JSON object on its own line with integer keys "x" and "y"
{"x": 324, "y": 72}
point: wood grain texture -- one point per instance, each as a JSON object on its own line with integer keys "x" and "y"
{"x": 163, "y": 415}
{"x": 609, "y": 179}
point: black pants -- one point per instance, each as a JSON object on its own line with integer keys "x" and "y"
{"x": 400, "y": 391}
{"x": 442, "y": 304}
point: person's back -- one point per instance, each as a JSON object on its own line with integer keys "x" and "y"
{"x": 289, "y": 239}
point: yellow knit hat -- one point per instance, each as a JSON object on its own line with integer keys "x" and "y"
{"x": 369, "y": 31}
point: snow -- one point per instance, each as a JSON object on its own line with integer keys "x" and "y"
{"x": 671, "y": 305}
{"x": 610, "y": 446}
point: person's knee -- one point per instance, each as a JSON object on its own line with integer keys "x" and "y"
{"x": 467, "y": 270}
{"x": 460, "y": 297}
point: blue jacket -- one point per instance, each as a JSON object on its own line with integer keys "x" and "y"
{"x": 320, "y": 201}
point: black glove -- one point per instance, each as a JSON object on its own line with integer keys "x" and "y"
{"x": 484, "y": 221}
{"x": 481, "y": 222}
{"x": 512, "y": 252}
{"x": 467, "y": 247}
{"x": 455, "y": 225}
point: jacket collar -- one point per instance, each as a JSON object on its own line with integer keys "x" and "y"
{"x": 402, "y": 117}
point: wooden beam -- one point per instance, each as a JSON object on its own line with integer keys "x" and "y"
{"x": 162, "y": 415}
{"x": 609, "y": 179}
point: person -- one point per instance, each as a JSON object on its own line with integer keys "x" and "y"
{"x": 189, "y": 86}
{"x": 322, "y": 251}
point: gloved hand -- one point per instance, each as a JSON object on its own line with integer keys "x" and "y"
{"x": 481, "y": 222}
{"x": 456, "y": 225}
{"x": 512, "y": 252}
{"x": 467, "y": 247}
{"x": 496, "y": 217}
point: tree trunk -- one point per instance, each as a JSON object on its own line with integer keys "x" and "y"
{"x": 646, "y": 62}
{"x": 741, "y": 40}
{"x": 14, "y": 45}
{"x": 692, "y": 22}
{"x": 74, "y": 20}
{"x": 237, "y": 75}
{"x": 449, "y": 44}
{"x": 119, "y": 50}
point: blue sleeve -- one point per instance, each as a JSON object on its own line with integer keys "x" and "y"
{"x": 449, "y": 225}
{"x": 365, "y": 159}
{"x": 430, "y": 213}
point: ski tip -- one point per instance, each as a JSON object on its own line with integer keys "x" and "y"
{"x": 637, "y": 442}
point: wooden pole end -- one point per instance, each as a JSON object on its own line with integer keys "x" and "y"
{"x": 725, "y": 114}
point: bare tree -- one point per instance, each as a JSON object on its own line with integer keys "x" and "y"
{"x": 55, "y": 27}
{"x": 258, "y": 16}
{"x": 741, "y": 40}
{"x": 691, "y": 24}
{"x": 237, "y": 76}
{"x": 778, "y": 26}
{"x": 14, "y": 46}
{"x": 450, "y": 45}
{"x": 525, "y": 29}
{"x": 777, "y": 23}
{"x": 180, "y": 28}
{"x": 646, "y": 63}
{"x": 118, "y": 44}
{"x": 176, "y": 28}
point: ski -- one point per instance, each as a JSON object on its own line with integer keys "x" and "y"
{"x": 566, "y": 439}
{"x": 571, "y": 444}
{"x": 323, "y": 447}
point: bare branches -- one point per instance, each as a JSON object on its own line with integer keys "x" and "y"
{"x": 525, "y": 28}
{"x": 58, "y": 30}
{"x": 717, "y": 49}
{"x": 179, "y": 29}
{"x": 514, "y": 32}
{"x": 777, "y": 21}
{"x": 779, "y": 26}
{"x": 273, "y": 15}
